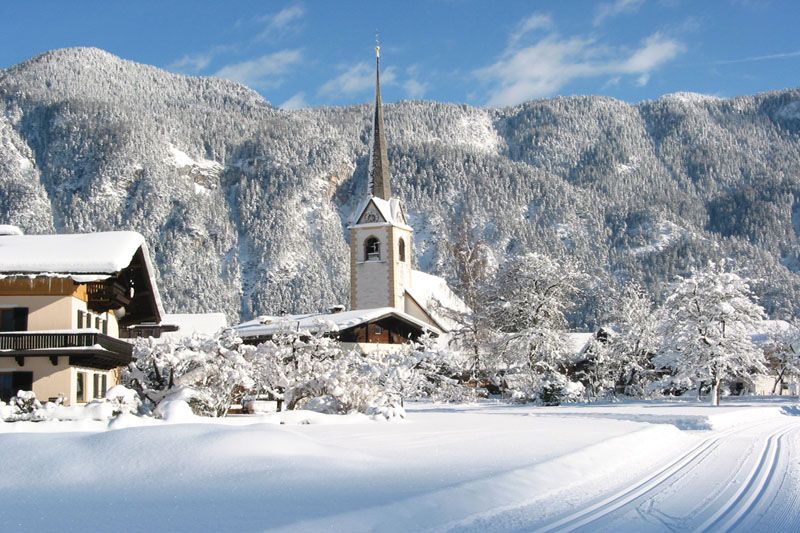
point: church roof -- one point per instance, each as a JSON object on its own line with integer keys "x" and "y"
{"x": 379, "y": 181}
{"x": 323, "y": 322}
{"x": 390, "y": 210}
{"x": 436, "y": 297}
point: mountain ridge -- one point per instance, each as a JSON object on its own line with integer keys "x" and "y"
{"x": 643, "y": 192}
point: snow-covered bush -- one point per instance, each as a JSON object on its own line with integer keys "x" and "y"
{"x": 123, "y": 400}
{"x": 218, "y": 369}
{"x": 23, "y": 406}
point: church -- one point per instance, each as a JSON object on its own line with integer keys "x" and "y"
{"x": 390, "y": 301}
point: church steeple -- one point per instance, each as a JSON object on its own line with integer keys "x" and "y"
{"x": 379, "y": 181}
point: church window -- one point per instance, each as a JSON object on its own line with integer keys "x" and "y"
{"x": 402, "y": 250}
{"x": 372, "y": 249}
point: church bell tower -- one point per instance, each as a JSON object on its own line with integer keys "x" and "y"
{"x": 381, "y": 241}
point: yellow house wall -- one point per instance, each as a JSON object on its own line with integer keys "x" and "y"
{"x": 49, "y": 312}
{"x": 44, "y": 312}
{"x": 51, "y": 381}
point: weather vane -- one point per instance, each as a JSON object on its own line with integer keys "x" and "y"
{"x": 377, "y": 43}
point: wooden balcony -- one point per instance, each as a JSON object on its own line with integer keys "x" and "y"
{"x": 107, "y": 295}
{"x": 90, "y": 349}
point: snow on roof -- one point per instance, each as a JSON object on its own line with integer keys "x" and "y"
{"x": 390, "y": 210}
{"x": 432, "y": 292}
{"x": 765, "y": 331}
{"x": 577, "y": 341}
{"x": 321, "y": 322}
{"x": 7, "y": 229}
{"x": 68, "y": 254}
{"x": 83, "y": 257}
{"x": 190, "y": 323}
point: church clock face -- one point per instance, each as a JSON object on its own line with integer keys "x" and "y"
{"x": 371, "y": 217}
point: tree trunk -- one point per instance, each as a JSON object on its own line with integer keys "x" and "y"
{"x": 700, "y": 391}
{"x": 779, "y": 380}
{"x": 715, "y": 393}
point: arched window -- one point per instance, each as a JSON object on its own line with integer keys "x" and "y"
{"x": 372, "y": 249}
{"x": 402, "y": 250}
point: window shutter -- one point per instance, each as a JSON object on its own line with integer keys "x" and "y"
{"x": 21, "y": 319}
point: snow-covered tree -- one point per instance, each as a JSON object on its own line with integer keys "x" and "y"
{"x": 706, "y": 325}
{"x": 527, "y": 302}
{"x": 634, "y": 343}
{"x": 784, "y": 354}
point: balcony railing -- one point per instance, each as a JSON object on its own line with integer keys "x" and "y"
{"x": 107, "y": 295}
{"x": 31, "y": 340}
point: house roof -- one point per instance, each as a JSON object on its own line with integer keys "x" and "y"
{"x": 189, "y": 323}
{"x": 323, "y": 322}
{"x": 68, "y": 254}
{"x": 83, "y": 257}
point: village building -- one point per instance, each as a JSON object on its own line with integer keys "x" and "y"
{"x": 391, "y": 303}
{"x": 66, "y": 303}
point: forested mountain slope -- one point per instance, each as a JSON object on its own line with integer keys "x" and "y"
{"x": 244, "y": 205}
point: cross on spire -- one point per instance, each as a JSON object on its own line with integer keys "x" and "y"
{"x": 379, "y": 179}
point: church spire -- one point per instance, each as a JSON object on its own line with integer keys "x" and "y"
{"x": 379, "y": 182}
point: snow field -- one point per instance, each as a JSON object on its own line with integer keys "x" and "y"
{"x": 480, "y": 467}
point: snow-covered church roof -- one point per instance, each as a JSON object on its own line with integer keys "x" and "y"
{"x": 322, "y": 322}
{"x": 436, "y": 297}
{"x": 390, "y": 210}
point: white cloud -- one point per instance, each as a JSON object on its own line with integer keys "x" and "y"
{"x": 191, "y": 63}
{"x": 262, "y": 72}
{"x": 608, "y": 10}
{"x": 657, "y": 50}
{"x": 537, "y": 21}
{"x": 283, "y": 21}
{"x": 782, "y": 55}
{"x": 298, "y": 101}
{"x": 541, "y": 69}
{"x": 415, "y": 88}
{"x": 356, "y": 79}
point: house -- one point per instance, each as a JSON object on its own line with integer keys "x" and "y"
{"x": 65, "y": 303}
{"x": 362, "y": 329}
{"x": 770, "y": 336}
{"x": 391, "y": 302}
{"x": 176, "y": 326}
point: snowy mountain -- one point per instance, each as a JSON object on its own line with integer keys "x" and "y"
{"x": 244, "y": 205}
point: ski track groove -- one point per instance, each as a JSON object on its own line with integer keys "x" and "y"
{"x": 742, "y": 504}
{"x": 649, "y": 483}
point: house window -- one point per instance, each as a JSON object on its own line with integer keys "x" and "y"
{"x": 372, "y": 249}
{"x": 80, "y": 318}
{"x": 402, "y": 250}
{"x": 14, "y": 319}
{"x": 105, "y": 327}
{"x": 100, "y": 385}
{"x": 12, "y": 382}
{"x": 97, "y": 322}
{"x": 80, "y": 387}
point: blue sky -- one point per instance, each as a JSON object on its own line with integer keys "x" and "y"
{"x": 495, "y": 53}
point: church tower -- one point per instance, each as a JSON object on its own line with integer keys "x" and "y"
{"x": 381, "y": 245}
